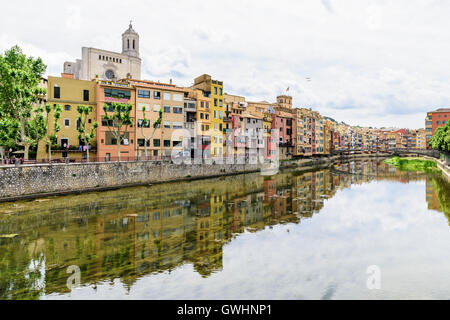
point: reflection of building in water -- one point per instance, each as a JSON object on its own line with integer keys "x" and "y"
{"x": 127, "y": 234}
{"x": 438, "y": 194}
{"x": 431, "y": 197}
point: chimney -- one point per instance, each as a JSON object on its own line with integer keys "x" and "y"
{"x": 170, "y": 81}
{"x": 67, "y": 75}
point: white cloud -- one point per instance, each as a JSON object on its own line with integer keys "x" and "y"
{"x": 371, "y": 62}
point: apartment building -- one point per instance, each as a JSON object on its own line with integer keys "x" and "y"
{"x": 108, "y": 92}
{"x": 214, "y": 90}
{"x": 436, "y": 119}
{"x": 153, "y": 97}
{"x": 69, "y": 93}
{"x": 283, "y": 120}
{"x": 202, "y": 138}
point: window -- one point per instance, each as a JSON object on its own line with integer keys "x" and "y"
{"x": 141, "y": 106}
{"x": 120, "y": 94}
{"x": 167, "y": 124}
{"x": 215, "y": 114}
{"x": 144, "y": 124}
{"x": 85, "y": 95}
{"x": 57, "y": 92}
{"x": 144, "y": 94}
{"x": 112, "y": 141}
{"x": 177, "y": 143}
{"x": 178, "y": 125}
{"x": 177, "y": 110}
{"x": 221, "y": 92}
{"x": 167, "y": 96}
{"x": 207, "y": 105}
{"x": 201, "y": 115}
{"x": 157, "y": 95}
{"x": 141, "y": 143}
{"x": 134, "y": 44}
{"x": 64, "y": 142}
{"x": 156, "y": 108}
{"x": 166, "y": 109}
{"x": 220, "y": 103}
{"x": 215, "y": 102}
{"x": 67, "y": 107}
{"x": 215, "y": 90}
{"x": 156, "y": 142}
{"x": 177, "y": 97}
{"x": 67, "y": 123}
{"x": 107, "y": 123}
{"x": 167, "y": 143}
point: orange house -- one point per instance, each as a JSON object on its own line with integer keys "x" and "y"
{"x": 121, "y": 92}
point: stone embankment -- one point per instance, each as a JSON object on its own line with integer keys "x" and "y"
{"x": 35, "y": 181}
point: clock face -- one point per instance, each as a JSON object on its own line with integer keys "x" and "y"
{"x": 109, "y": 74}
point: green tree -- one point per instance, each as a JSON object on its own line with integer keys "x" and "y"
{"x": 83, "y": 133}
{"x": 156, "y": 125}
{"x": 19, "y": 95}
{"x": 117, "y": 120}
{"x": 52, "y": 137}
{"x": 441, "y": 139}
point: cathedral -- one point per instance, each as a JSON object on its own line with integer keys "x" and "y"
{"x": 107, "y": 65}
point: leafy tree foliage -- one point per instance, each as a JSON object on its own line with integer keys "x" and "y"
{"x": 20, "y": 95}
{"x": 52, "y": 136}
{"x": 156, "y": 125}
{"x": 83, "y": 133}
{"x": 441, "y": 139}
{"x": 117, "y": 119}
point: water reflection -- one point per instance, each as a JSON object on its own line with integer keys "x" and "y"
{"x": 133, "y": 233}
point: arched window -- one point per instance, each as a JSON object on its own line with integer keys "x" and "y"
{"x": 128, "y": 41}
{"x": 134, "y": 44}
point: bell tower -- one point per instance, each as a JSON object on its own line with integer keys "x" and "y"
{"x": 130, "y": 42}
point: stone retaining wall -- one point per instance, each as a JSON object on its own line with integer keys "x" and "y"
{"x": 32, "y": 181}
{"x": 59, "y": 178}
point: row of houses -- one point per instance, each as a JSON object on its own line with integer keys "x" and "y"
{"x": 202, "y": 121}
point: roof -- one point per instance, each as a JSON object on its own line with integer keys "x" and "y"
{"x": 130, "y": 30}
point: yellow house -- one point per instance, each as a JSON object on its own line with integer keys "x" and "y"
{"x": 69, "y": 93}
{"x": 203, "y": 121}
{"x": 213, "y": 89}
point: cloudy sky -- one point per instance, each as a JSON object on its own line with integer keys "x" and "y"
{"x": 371, "y": 62}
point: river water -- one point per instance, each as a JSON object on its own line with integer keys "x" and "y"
{"x": 361, "y": 230}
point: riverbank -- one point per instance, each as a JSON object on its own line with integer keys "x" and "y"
{"x": 413, "y": 164}
{"x": 440, "y": 164}
{"x": 38, "y": 181}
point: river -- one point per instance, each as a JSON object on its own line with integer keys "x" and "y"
{"x": 296, "y": 235}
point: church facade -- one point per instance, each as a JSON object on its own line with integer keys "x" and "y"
{"x": 107, "y": 65}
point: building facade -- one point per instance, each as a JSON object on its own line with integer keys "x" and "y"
{"x": 108, "y": 65}
{"x": 69, "y": 93}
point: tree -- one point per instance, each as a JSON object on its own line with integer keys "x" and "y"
{"x": 156, "y": 125}
{"x": 83, "y": 134}
{"x": 19, "y": 95}
{"x": 52, "y": 138}
{"x": 119, "y": 117}
{"x": 441, "y": 139}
